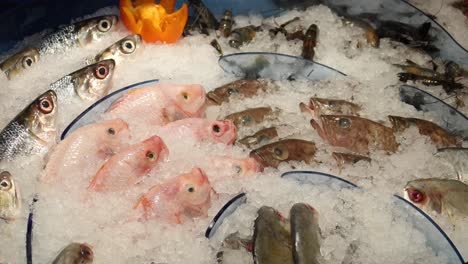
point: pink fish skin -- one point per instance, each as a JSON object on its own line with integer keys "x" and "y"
{"x": 179, "y": 199}
{"x": 237, "y": 167}
{"x": 159, "y": 104}
{"x": 223, "y": 131}
{"x": 128, "y": 166}
{"x": 85, "y": 150}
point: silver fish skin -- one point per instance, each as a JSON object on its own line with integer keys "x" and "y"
{"x": 32, "y": 130}
{"x": 78, "y": 34}
{"x": 89, "y": 83}
{"x": 458, "y": 158}
{"x": 75, "y": 253}
{"x": 19, "y": 62}
{"x": 305, "y": 234}
{"x": 10, "y": 198}
{"x": 121, "y": 50}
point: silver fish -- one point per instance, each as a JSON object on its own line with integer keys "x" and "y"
{"x": 33, "y": 129}
{"x": 120, "y": 50}
{"x": 89, "y": 83}
{"x": 75, "y": 253}
{"x": 19, "y": 62}
{"x": 10, "y": 199}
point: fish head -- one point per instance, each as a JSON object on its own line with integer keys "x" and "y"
{"x": 223, "y": 131}
{"x": 417, "y": 193}
{"x": 76, "y": 253}
{"x": 86, "y": 254}
{"x": 194, "y": 191}
{"x": 94, "y": 81}
{"x": 94, "y": 29}
{"x": 245, "y": 88}
{"x": 269, "y": 216}
{"x": 304, "y": 211}
{"x": 6, "y": 182}
{"x": 188, "y": 100}
{"x": 273, "y": 154}
{"x": 250, "y": 116}
{"x": 41, "y": 117}
{"x": 19, "y": 62}
{"x": 153, "y": 151}
{"x": 237, "y": 166}
{"x": 114, "y": 133}
{"x": 121, "y": 49}
{"x": 10, "y": 199}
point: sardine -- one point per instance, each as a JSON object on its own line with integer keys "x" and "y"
{"x": 34, "y": 129}
{"x": 226, "y": 22}
{"x": 251, "y": 116}
{"x": 273, "y": 154}
{"x": 242, "y": 88}
{"x": 440, "y": 195}
{"x": 263, "y": 136}
{"x": 324, "y": 106}
{"x": 121, "y": 50}
{"x": 75, "y": 253}
{"x": 89, "y": 83}
{"x": 310, "y": 41}
{"x": 305, "y": 234}
{"x": 243, "y": 35}
{"x": 19, "y": 62}
{"x": 10, "y": 198}
{"x": 458, "y": 158}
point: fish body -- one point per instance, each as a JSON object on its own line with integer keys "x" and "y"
{"x": 200, "y": 129}
{"x": 225, "y": 24}
{"x": 78, "y": 34}
{"x": 75, "y": 253}
{"x": 250, "y": 116}
{"x": 19, "y": 62}
{"x": 271, "y": 238}
{"x": 325, "y": 106}
{"x": 348, "y": 158}
{"x": 127, "y": 167}
{"x": 310, "y": 41}
{"x": 239, "y": 88}
{"x": 404, "y": 33}
{"x": 243, "y": 35}
{"x": 439, "y": 136}
{"x": 158, "y": 105}
{"x": 371, "y": 35}
{"x": 32, "y": 130}
{"x": 86, "y": 149}
{"x": 458, "y": 158}
{"x": 89, "y": 83}
{"x": 441, "y": 195}
{"x": 273, "y": 154}
{"x": 305, "y": 234}
{"x": 10, "y": 197}
{"x": 263, "y": 136}
{"x": 121, "y": 50}
{"x": 354, "y": 133}
{"x": 184, "y": 197}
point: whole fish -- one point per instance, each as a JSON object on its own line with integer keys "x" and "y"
{"x": 75, "y": 253}
{"x": 127, "y": 167}
{"x": 10, "y": 198}
{"x": 441, "y": 195}
{"x": 85, "y": 150}
{"x": 324, "y": 106}
{"x": 89, "y": 83}
{"x": 121, "y": 50}
{"x": 243, "y": 35}
{"x": 19, "y": 62}
{"x": 458, "y": 158}
{"x": 263, "y": 136}
{"x": 271, "y": 238}
{"x": 418, "y": 70}
{"x": 348, "y": 158}
{"x": 438, "y": 135}
{"x": 158, "y": 105}
{"x": 200, "y": 129}
{"x": 310, "y": 41}
{"x": 234, "y": 167}
{"x": 305, "y": 234}
{"x": 240, "y": 88}
{"x": 184, "y": 197}
{"x": 33, "y": 129}
{"x": 250, "y": 116}
{"x": 225, "y": 24}
{"x": 370, "y": 33}
{"x": 354, "y": 133}
{"x": 273, "y": 154}
{"x": 449, "y": 85}
{"x": 78, "y": 34}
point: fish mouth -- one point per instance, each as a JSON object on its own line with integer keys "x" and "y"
{"x": 213, "y": 99}
{"x": 257, "y": 156}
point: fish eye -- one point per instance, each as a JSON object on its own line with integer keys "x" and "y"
{"x": 104, "y": 25}
{"x": 231, "y": 91}
{"x": 101, "y": 71}
{"x": 151, "y": 155}
{"x": 111, "y": 131}
{"x": 246, "y": 120}
{"x": 216, "y": 128}
{"x": 128, "y": 47}
{"x": 86, "y": 252}
{"x": 185, "y": 95}
{"x": 27, "y": 62}
{"x": 238, "y": 169}
{"x": 46, "y": 106}
{"x": 5, "y": 184}
{"x": 416, "y": 196}
{"x": 344, "y": 122}
{"x": 191, "y": 189}
{"x": 280, "y": 153}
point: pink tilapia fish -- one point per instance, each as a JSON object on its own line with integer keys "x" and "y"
{"x": 182, "y": 198}
{"x": 86, "y": 149}
{"x": 158, "y": 105}
{"x": 200, "y": 129}
{"x": 127, "y": 167}
{"x": 229, "y": 166}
